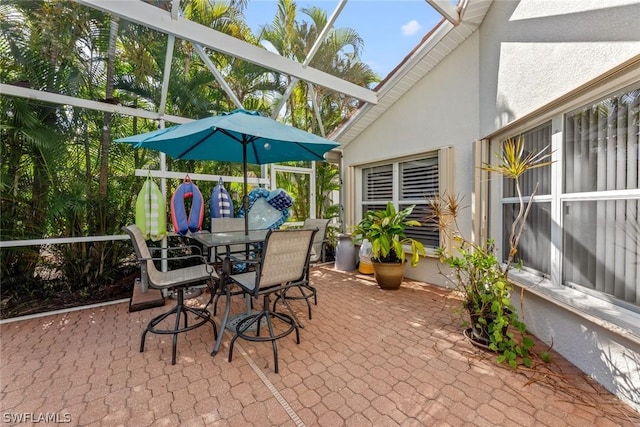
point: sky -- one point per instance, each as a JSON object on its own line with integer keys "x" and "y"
{"x": 390, "y": 28}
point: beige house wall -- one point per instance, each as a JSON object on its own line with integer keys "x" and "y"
{"x": 525, "y": 56}
{"x": 440, "y": 111}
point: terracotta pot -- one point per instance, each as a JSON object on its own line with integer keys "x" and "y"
{"x": 389, "y": 275}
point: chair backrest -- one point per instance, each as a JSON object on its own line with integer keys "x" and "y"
{"x": 151, "y": 276}
{"x": 148, "y": 269}
{"x": 285, "y": 257}
{"x": 318, "y": 241}
{"x": 227, "y": 224}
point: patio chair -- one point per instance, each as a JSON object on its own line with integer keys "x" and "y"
{"x": 284, "y": 263}
{"x": 176, "y": 281}
{"x": 320, "y": 239}
{"x": 220, "y": 225}
{"x": 307, "y": 291}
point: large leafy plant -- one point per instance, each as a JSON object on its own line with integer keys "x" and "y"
{"x": 385, "y": 229}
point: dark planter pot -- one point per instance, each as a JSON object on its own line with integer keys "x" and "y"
{"x": 389, "y": 275}
{"x": 478, "y": 333}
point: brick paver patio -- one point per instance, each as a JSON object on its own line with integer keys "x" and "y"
{"x": 367, "y": 358}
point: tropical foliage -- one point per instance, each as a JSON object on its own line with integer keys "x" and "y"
{"x": 385, "y": 229}
{"x": 61, "y": 174}
{"x": 476, "y": 271}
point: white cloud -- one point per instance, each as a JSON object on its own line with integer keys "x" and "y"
{"x": 410, "y": 28}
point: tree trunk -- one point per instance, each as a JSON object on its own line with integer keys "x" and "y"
{"x": 105, "y": 144}
{"x": 105, "y": 137}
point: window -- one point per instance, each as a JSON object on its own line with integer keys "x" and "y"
{"x": 533, "y": 247}
{"x": 600, "y": 203}
{"x": 405, "y": 183}
{"x": 378, "y": 186}
{"x": 597, "y": 199}
{"x": 537, "y": 233}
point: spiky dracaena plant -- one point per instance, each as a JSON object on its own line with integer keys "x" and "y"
{"x": 475, "y": 269}
{"x": 513, "y": 163}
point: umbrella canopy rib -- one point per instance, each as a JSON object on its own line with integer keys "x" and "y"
{"x": 195, "y": 145}
{"x": 232, "y": 136}
{"x": 251, "y": 140}
{"x": 320, "y": 158}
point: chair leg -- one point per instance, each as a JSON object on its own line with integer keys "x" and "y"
{"x": 282, "y": 296}
{"x": 305, "y": 295}
{"x": 179, "y": 307}
{"x": 174, "y": 344}
{"x": 287, "y": 319}
{"x": 150, "y": 327}
{"x": 244, "y": 325}
{"x": 306, "y": 299}
{"x": 180, "y": 311}
{"x": 273, "y": 342}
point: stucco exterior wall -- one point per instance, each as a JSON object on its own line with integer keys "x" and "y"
{"x": 440, "y": 111}
{"x": 531, "y": 53}
{"x": 534, "y": 51}
{"x": 608, "y": 357}
{"x": 524, "y": 55}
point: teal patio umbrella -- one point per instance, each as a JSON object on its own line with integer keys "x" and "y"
{"x": 239, "y": 136}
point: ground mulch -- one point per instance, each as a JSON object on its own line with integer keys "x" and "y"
{"x": 33, "y": 304}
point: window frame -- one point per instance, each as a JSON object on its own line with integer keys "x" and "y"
{"x": 558, "y": 198}
{"x": 512, "y": 200}
{"x": 445, "y": 177}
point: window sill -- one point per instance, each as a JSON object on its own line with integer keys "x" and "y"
{"x": 616, "y": 319}
{"x": 431, "y": 253}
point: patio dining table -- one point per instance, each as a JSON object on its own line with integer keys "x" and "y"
{"x": 227, "y": 239}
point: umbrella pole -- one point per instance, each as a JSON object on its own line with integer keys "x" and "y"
{"x": 245, "y": 198}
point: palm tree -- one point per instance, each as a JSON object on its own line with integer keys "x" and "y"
{"x": 33, "y": 134}
{"x": 338, "y": 55}
{"x": 327, "y": 181}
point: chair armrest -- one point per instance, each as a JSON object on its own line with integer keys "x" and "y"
{"x": 193, "y": 248}
{"x": 210, "y": 268}
{"x": 229, "y": 261}
{"x": 200, "y": 257}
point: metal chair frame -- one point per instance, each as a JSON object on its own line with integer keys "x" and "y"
{"x": 237, "y": 251}
{"x": 320, "y": 239}
{"x": 176, "y": 281}
{"x": 307, "y": 291}
{"x": 284, "y": 263}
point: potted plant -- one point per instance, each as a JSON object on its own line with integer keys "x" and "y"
{"x": 385, "y": 229}
{"x": 476, "y": 272}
